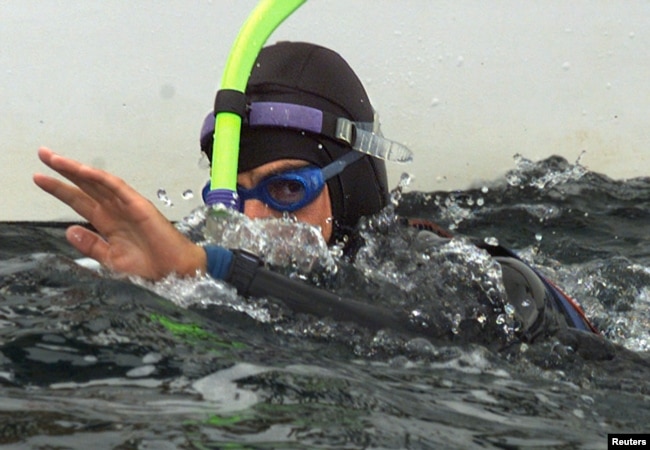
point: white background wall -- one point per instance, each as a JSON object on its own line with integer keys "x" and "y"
{"x": 125, "y": 85}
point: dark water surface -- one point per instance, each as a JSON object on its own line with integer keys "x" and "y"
{"x": 90, "y": 360}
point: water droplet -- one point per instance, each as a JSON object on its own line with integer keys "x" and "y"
{"x": 513, "y": 179}
{"x": 405, "y": 179}
{"x": 187, "y": 194}
{"x": 435, "y": 101}
{"x": 455, "y": 323}
{"x": 538, "y": 237}
{"x": 566, "y": 65}
{"x": 164, "y": 198}
{"x": 480, "y": 201}
{"x": 485, "y": 189}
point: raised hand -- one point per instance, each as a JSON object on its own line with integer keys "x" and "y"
{"x": 134, "y": 237}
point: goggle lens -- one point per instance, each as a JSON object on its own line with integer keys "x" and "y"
{"x": 285, "y": 191}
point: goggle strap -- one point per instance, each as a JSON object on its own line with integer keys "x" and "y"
{"x": 336, "y": 167}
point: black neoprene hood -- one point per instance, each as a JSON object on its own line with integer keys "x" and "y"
{"x": 309, "y": 75}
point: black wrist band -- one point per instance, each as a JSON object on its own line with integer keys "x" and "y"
{"x": 242, "y": 271}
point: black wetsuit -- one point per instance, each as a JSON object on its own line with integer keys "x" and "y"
{"x": 552, "y": 307}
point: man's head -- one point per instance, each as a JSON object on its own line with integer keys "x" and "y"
{"x": 289, "y": 83}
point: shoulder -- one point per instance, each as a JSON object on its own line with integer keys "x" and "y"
{"x": 542, "y": 306}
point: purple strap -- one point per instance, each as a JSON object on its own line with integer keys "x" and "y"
{"x": 286, "y": 115}
{"x": 273, "y": 114}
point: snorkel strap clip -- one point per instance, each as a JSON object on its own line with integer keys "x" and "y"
{"x": 346, "y": 131}
{"x": 232, "y": 101}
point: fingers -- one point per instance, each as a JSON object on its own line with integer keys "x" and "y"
{"x": 133, "y": 235}
{"x": 98, "y": 184}
{"x": 88, "y": 243}
{"x": 74, "y": 197}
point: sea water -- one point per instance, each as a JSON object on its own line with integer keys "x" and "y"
{"x": 89, "y": 359}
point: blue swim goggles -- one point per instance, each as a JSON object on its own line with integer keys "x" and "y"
{"x": 294, "y": 189}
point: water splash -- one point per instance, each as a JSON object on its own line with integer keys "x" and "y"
{"x": 281, "y": 242}
{"x": 164, "y": 198}
{"x": 205, "y": 291}
{"x": 447, "y": 285}
{"x": 528, "y": 173}
{"x": 396, "y": 194}
{"x": 615, "y": 293}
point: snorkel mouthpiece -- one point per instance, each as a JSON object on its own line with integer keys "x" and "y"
{"x": 225, "y": 197}
{"x": 265, "y": 18}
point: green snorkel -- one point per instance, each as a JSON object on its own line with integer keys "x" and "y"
{"x": 230, "y": 104}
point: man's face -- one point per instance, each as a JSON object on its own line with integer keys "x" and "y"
{"x": 318, "y": 212}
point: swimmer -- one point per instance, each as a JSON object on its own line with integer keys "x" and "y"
{"x": 291, "y": 160}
